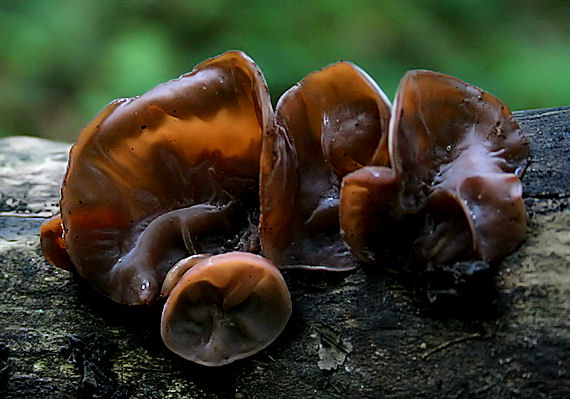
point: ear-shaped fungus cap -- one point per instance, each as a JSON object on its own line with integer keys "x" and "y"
{"x": 457, "y": 156}
{"x": 331, "y": 123}
{"x": 225, "y": 308}
{"x": 150, "y": 173}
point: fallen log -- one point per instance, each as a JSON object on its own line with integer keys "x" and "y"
{"x": 356, "y": 334}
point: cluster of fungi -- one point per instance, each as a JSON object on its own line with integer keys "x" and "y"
{"x": 174, "y": 195}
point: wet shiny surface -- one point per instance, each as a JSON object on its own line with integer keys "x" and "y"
{"x": 225, "y": 308}
{"x": 457, "y": 155}
{"x": 193, "y": 140}
{"x": 331, "y": 123}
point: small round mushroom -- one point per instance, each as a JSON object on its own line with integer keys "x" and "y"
{"x": 331, "y": 123}
{"x": 224, "y": 308}
{"x": 152, "y": 176}
{"x": 457, "y": 157}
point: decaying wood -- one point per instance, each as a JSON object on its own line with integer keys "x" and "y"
{"x": 358, "y": 334}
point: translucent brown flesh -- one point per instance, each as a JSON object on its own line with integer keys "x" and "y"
{"x": 333, "y": 122}
{"x": 225, "y": 308}
{"x": 457, "y": 155}
{"x": 194, "y": 140}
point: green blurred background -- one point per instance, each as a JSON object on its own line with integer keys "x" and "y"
{"x": 62, "y": 61}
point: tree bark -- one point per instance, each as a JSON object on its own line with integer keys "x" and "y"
{"x": 357, "y": 334}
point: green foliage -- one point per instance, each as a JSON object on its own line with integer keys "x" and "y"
{"x": 61, "y": 61}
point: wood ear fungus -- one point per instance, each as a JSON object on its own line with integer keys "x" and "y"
{"x": 53, "y": 244}
{"x": 457, "y": 156}
{"x": 331, "y": 123}
{"x": 224, "y": 308}
{"x": 163, "y": 191}
{"x": 149, "y": 174}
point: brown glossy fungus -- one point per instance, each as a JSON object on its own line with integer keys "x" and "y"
{"x": 457, "y": 157}
{"x": 151, "y": 176}
{"x": 53, "y": 244}
{"x": 331, "y": 123}
{"x": 224, "y": 308}
{"x": 368, "y": 208}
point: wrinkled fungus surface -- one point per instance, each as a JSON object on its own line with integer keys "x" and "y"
{"x": 331, "y": 123}
{"x": 149, "y": 174}
{"x": 163, "y": 193}
{"x": 225, "y": 307}
{"x": 453, "y": 191}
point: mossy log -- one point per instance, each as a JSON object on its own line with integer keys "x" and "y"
{"x": 357, "y": 334}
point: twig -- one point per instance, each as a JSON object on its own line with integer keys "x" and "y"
{"x": 449, "y": 343}
{"x": 333, "y": 341}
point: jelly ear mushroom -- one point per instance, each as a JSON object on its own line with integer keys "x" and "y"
{"x": 457, "y": 157}
{"x": 331, "y": 123}
{"x": 224, "y": 308}
{"x": 444, "y": 130}
{"x": 148, "y": 174}
{"x": 368, "y": 209}
{"x": 53, "y": 244}
{"x": 449, "y": 135}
